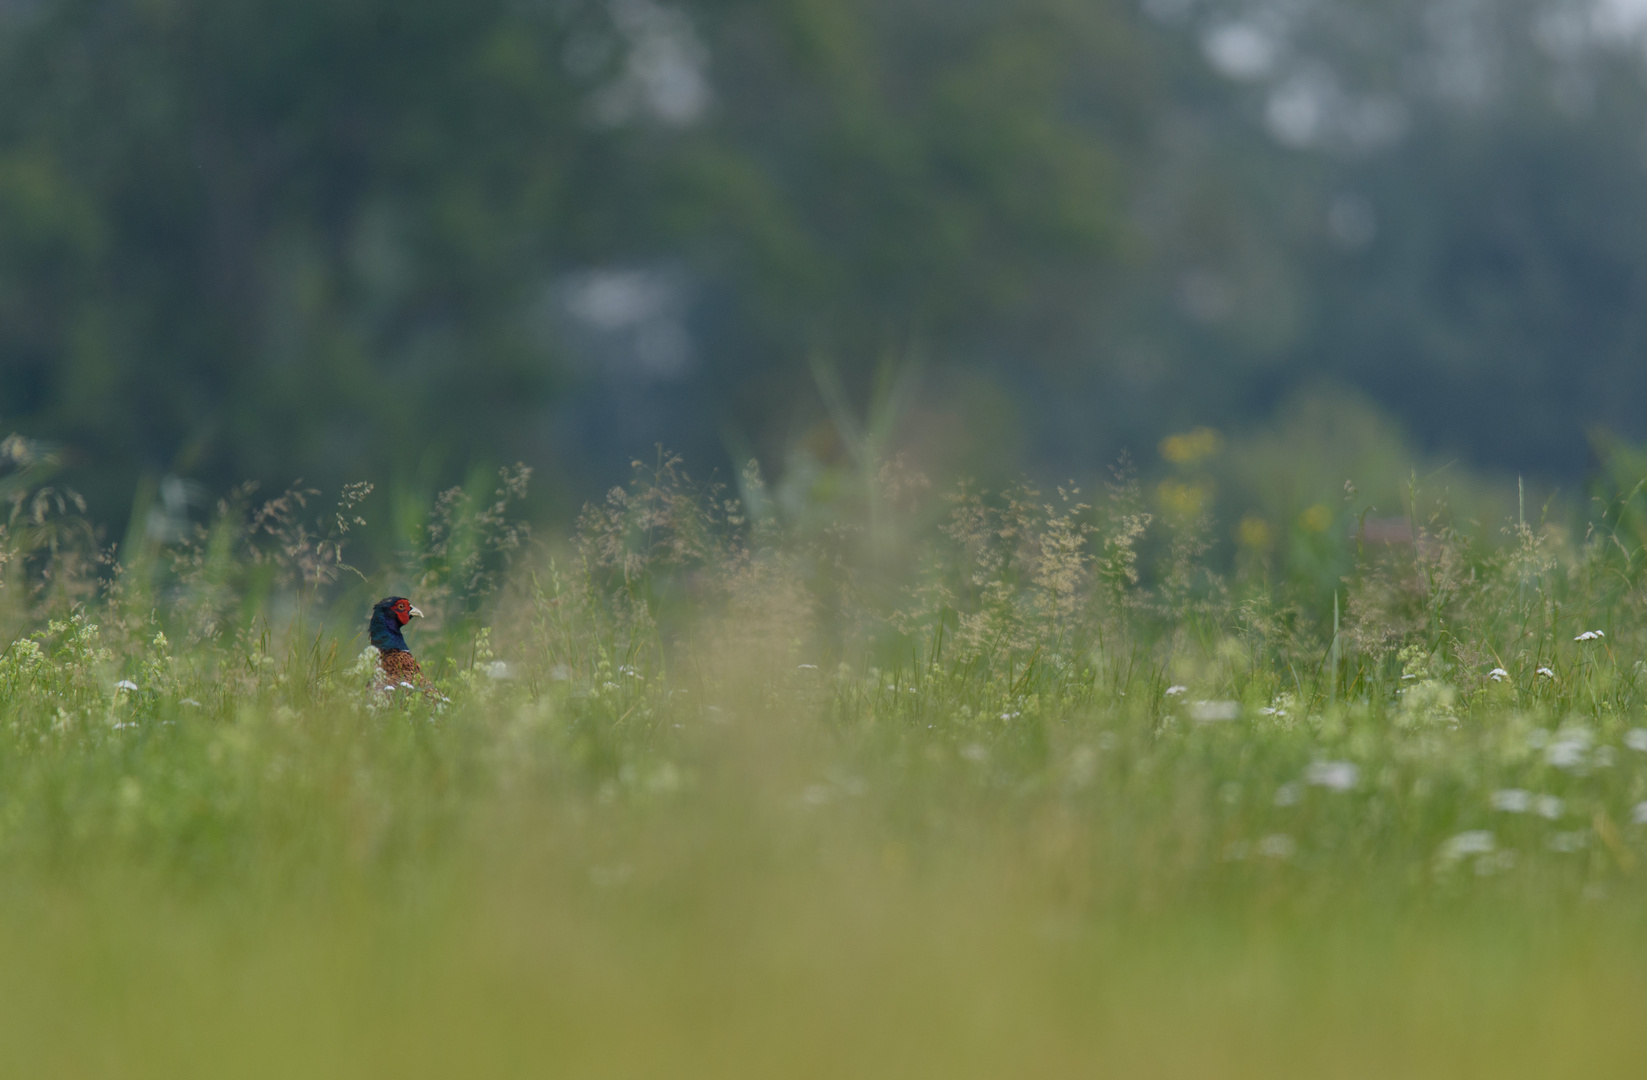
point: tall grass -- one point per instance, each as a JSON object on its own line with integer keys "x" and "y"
{"x": 902, "y": 782}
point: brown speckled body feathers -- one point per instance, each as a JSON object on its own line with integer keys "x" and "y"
{"x": 398, "y": 673}
{"x": 400, "y": 666}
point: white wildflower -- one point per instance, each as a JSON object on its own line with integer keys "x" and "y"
{"x": 1638, "y": 813}
{"x": 1636, "y": 739}
{"x": 1473, "y": 842}
{"x": 1519, "y": 801}
{"x": 1174, "y": 691}
{"x": 1212, "y": 712}
{"x": 500, "y": 670}
{"x": 1590, "y": 635}
{"x": 1570, "y": 749}
{"x": 1278, "y": 846}
{"x": 125, "y": 684}
{"x": 806, "y": 667}
{"x": 1333, "y": 775}
{"x": 190, "y": 702}
{"x": 1498, "y": 674}
{"x": 1546, "y": 673}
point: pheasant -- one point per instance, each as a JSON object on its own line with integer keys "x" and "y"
{"x": 397, "y": 667}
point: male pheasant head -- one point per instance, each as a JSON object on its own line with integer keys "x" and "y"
{"x": 389, "y": 618}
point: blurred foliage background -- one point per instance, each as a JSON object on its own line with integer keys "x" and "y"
{"x": 407, "y": 240}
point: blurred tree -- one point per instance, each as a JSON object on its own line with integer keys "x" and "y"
{"x": 1441, "y": 204}
{"x": 362, "y": 239}
{"x": 264, "y": 239}
{"x": 317, "y": 237}
{"x": 887, "y": 180}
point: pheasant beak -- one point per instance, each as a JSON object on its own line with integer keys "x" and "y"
{"x": 414, "y": 613}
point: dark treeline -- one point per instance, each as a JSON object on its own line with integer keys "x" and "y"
{"x": 394, "y": 239}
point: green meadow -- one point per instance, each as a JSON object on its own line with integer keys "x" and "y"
{"x": 899, "y": 782}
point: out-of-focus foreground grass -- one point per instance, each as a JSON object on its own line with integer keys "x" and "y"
{"x": 385, "y": 901}
{"x": 320, "y": 895}
{"x": 1013, "y": 792}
